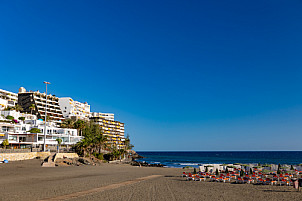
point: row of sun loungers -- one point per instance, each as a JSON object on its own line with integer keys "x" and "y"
{"x": 255, "y": 178}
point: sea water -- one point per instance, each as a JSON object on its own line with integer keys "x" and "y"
{"x": 195, "y": 159}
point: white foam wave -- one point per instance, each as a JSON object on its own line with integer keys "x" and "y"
{"x": 189, "y": 163}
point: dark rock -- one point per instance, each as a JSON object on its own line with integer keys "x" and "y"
{"x": 84, "y": 161}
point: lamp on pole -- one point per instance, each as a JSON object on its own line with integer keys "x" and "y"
{"x": 44, "y": 147}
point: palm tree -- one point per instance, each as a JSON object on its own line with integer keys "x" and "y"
{"x": 32, "y": 107}
{"x": 67, "y": 123}
{"x": 80, "y": 125}
{"x": 59, "y": 140}
{"x": 128, "y": 145}
{"x": 93, "y": 139}
{"x": 84, "y": 146}
{"x": 99, "y": 142}
{"x": 18, "y": 108}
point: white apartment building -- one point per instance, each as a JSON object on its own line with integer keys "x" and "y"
{"x": 113, "y": 130}
{"x": 107, "y": 116}
{"x": 18, "y": 134}
{"x": 27, "y": 99}
{"x": 7, "y": 99}
{"x": 16, "y": 115}
{"x": 74, "y": 109}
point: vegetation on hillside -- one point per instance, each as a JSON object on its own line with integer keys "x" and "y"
{"x": 5, "y": 143}
{"x": 34, "y": 130}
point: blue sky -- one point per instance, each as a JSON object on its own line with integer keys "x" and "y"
{"x": 182, "y": 75}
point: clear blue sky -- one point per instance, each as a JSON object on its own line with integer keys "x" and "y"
{"x": 182, "y": 75}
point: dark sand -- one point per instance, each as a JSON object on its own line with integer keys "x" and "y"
{"x": 27, "y": 180}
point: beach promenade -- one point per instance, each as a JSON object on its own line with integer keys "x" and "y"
{"x": 27, "y": 180}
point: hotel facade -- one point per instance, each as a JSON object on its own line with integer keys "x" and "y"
{"x": 38, "y": 100}
{"x": 18, "y": 134}
{"x": 7, "y": 99}
{"x": 58, "y": 109}
{"x": 113, "y": 130}
{"x": 107, "y": 116}
{"x": 74, "y": 109}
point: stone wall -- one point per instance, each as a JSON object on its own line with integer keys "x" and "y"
{"x": 66, "y": 155}
{"x": 22, "y": 156}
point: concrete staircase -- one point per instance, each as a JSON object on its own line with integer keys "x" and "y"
{"x": 49, "y": 161}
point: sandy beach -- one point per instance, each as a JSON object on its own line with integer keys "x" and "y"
{"x": 27, "y": 180}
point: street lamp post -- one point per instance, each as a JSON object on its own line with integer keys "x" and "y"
{"x": 44, "y": 147}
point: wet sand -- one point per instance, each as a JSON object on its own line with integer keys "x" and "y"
{"x": 27, "y": 180}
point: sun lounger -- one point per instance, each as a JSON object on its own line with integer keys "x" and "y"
{"x": 260, "y": 181}
{"x": 189, "y": 177}
{"x": 239, "y": 180}
{"x": 196, "y": 178}
{"x": 213, "y": 178}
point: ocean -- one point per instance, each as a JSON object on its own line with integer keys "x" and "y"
{"x": 194, "y": 159}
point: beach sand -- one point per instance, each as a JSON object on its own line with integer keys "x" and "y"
{"x": 27, "y": 180}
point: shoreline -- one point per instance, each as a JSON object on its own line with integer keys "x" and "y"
{"x": 198, "y": 158}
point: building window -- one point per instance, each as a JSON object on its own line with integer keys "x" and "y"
{"x": 22, "y": 139}
{"x": 5, "y": 129}
{"x": 14, "y": 138}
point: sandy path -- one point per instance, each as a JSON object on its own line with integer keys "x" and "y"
{"x": 80, "y": 194}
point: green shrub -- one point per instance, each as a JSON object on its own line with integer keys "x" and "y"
{"x": 5, "y": 143}
{"x": 100, "y": 156}
{"x": 108, "y": 157}
{"x": 10, "y": 117}
{"x": 21, "y": 118}
{"x": 34, "y": 130}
